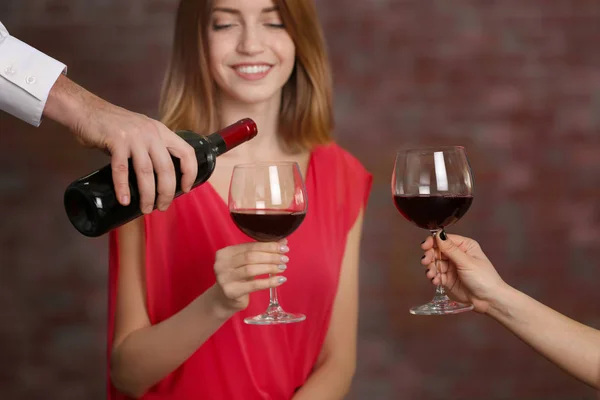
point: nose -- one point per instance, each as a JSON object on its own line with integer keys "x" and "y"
{"x": 251, "y": 41}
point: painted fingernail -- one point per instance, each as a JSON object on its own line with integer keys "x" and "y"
{"x": 285, "y": 259}
{"x": 281, "y": 279}
{"x": 282, "y": 267}
{"x": 443, "y": 235}
{"x": 284, "y": 249}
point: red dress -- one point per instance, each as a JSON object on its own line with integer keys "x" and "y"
{"x": 240, "y": 361}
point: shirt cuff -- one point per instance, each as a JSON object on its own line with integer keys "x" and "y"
{"x": 26, "y": 78}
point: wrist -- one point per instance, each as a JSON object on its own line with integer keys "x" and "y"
{"x": 67, "y": 103}
{"x": 501, "y": 301}
{"x": 214, "y": 307}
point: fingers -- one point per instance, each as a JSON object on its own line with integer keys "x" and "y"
{"x": 165, "y": 173}
{"x": 248, "y": 272}
{"x": 120, "y": 171}
{"x": 451, "y": 250}
{"x": 442, "y": 265}
{"x": 428, "y": 257}
{"x": 261, "y": 284}
{"x": 266, "y": 247}
{"x": 427, "y": 244}
{"x": 237, "y": 289}
{"x": 462, "y": 251}
{"x": 148, "y": 143}
{"x": 430, "y": 271}
{"x": 257, "y": 257}
{"x": 237, "y": 267}
{"x": 144, "y": 172}
{"x": 462, "y": 242}
{"x": 186, "y": 155}
{"x": 447, "y": 277}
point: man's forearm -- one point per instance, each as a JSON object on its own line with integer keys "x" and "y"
{"x": 67, "y": 102}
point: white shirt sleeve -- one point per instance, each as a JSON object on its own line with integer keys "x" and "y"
{"x": 26, "y": 77}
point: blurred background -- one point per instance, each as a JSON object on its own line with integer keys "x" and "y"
{"x": 515, "y": 81}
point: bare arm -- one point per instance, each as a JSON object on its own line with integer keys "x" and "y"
{"x": 143, "y": 354}
{"x": 572, "y": 346}
{"x": 469, "y": 276}
{"x": 335, "y": 367}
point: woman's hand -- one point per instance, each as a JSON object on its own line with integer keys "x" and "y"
{"x": 237, "y": 269}
{"x": 467, "y": 274}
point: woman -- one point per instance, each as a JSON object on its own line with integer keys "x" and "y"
{"x": 470, "y": 277}
{"x": 182, "y": 281}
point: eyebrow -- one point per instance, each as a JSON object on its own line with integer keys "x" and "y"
{"x": 237, "y": 12}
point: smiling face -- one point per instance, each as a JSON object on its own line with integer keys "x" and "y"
{"x": 233, "y": 53}
{"x": 251, "y": 55}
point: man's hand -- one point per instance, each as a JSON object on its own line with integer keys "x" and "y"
{"x": 124, "y": 134}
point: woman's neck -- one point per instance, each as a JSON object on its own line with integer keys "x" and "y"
{"x": 266, "y": 115}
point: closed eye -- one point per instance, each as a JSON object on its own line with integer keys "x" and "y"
{"x": 279, "y": 26}
{"x": 220, "y": 27}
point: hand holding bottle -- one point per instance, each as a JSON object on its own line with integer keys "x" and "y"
{"x": 123, "y": 134}
{"x": 149, "y": 144}
{"x": 91, "y": 201}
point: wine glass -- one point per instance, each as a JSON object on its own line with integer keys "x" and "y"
{"x": 267, "y": 201}
{"x": 433, "y": 188}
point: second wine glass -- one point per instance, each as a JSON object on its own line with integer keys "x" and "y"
{"x": 433, "y": 188}
{"x": 267, "y": 201}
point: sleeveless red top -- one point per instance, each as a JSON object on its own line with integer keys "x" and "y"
{"x": 240, "y": 361}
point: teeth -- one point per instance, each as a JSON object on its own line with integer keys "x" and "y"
{"x": 254, "y": 69}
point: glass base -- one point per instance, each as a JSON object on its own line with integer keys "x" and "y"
{"x": 441, "y": 305}
{"x": 275, "y": 315}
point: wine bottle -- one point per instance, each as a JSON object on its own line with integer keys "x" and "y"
{"x": 91, "y": 202}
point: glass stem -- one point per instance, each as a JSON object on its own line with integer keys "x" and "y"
{"x": 273, "y": 299}
{"x": 440, "y": 293}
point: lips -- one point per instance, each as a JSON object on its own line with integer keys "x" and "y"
{"x": 252, "y": 71}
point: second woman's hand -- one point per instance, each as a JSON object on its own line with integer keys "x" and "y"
{"x": 466, "y": 273}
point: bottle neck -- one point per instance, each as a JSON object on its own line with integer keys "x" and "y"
{"x": 233, "y": 135}
{"x": 218, "y": 144}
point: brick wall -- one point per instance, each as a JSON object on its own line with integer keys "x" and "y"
{"x": 515, "y": 81}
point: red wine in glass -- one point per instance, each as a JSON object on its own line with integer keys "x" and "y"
{"x": 433, "y": 212}
{"x": 267, "y": 225}
{"x": 267, "y": 201}
{"x": 433, "y": 189}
